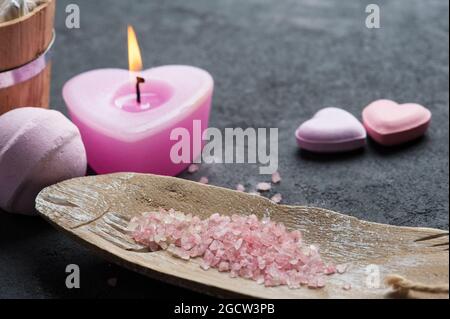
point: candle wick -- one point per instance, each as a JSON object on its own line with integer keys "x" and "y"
{"x": 139, "y": 80}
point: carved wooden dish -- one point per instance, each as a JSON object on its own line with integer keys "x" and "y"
{"x": 96, "y": 211}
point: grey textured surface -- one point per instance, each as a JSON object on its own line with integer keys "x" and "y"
{"x": 275, "y": 64}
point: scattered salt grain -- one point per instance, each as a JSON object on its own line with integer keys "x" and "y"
{"x": 193, "y": 169}
{"x": 263, "y": 187}
{"x": 240, "y": 188}
{"x": 277, "y": 198}
{"x": 347, "y": 286}
{"x": 204, "y": 180}
{"x": 340, "y": 269}
{"x": 243, "y": 246}
{"x": 112, "y": 282}
{"x": 321, "y": 282}
{"x": 276, "y": 178}
{"x": 330, "y": 270}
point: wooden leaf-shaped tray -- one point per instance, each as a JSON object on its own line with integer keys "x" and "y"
{"x": 96, "y": 211}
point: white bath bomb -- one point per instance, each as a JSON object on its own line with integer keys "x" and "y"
{"x": 38, "y": 148}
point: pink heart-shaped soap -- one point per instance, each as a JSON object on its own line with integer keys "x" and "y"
{"x": 390, "y": 123}
{"x": 331, "y": 130}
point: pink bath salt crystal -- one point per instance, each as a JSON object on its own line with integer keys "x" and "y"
{"x": 277, "y": 198}
{"x": 215, "y": 245}
{"x": 246, "y": 273}
{"x": 215, "y": 262}
{"x": 303, "y": 279}
{"x": 205, "y": 266}
{"x": 133, "y": 225}
{"x": 294, "y": 261}
{"x": 204, "y": 180}
{"x": 236, "y": 231}
{"x": 245, "y": 246}
{"x": 240, "y": 188}
{"x": 292, "y": 280}
{"x": 276, "y": 178}
{"x": 153, "y": 247}
{"x": 296, "y": 235}
{"x": 179, "y": 252}
{"x": 321, "y": 282}
{"x": 219, "y": 233}
{"x": 341, "y": 268}
{"x": 347, "y": 286}
{"x": 330, "y": 270}
{"x": 208, "y": 256}
{"x": 238, "y": 244}
{"x": 187, "y": 243}
{"x": 220, "y": 253}
{"x": 313, "y": 283}
{"x": 224, "y": 266}
{"x": 194, "y": 168}
{"x": 197, "y": 239}
{"x": 263, "y": 187}
{"x": 260, "y": 280}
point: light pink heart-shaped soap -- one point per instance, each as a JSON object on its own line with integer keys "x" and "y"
{"x": 390, "y": 123}
{"x": 331, "y": 130}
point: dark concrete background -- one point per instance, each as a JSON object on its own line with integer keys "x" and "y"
{"x": 275, "y": 64}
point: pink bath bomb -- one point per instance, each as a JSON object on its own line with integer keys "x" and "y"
{"x": 38, "y": 148}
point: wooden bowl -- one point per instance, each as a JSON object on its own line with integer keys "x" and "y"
{"x": 22, "y": 41}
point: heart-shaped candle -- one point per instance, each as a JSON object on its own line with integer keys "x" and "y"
{"x": 331, "y": 130}
{"x": 390, "y": 123}
{"x": 131, "y": 121}
{"x": 122, "y": 135}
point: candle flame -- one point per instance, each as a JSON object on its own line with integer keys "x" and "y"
{"x": 134, "y": 53}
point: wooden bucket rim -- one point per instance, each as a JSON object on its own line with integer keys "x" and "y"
{"x": 28, "y": 16}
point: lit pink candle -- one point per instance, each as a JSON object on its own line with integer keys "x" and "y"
{"x": 126, "y": 124}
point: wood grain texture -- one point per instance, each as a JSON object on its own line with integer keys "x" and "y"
{"x": 96, "y": 211}
{"x": 26, "y": 38}
{"x": 34, "y": 92}
{"x": 22, "y": 41}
